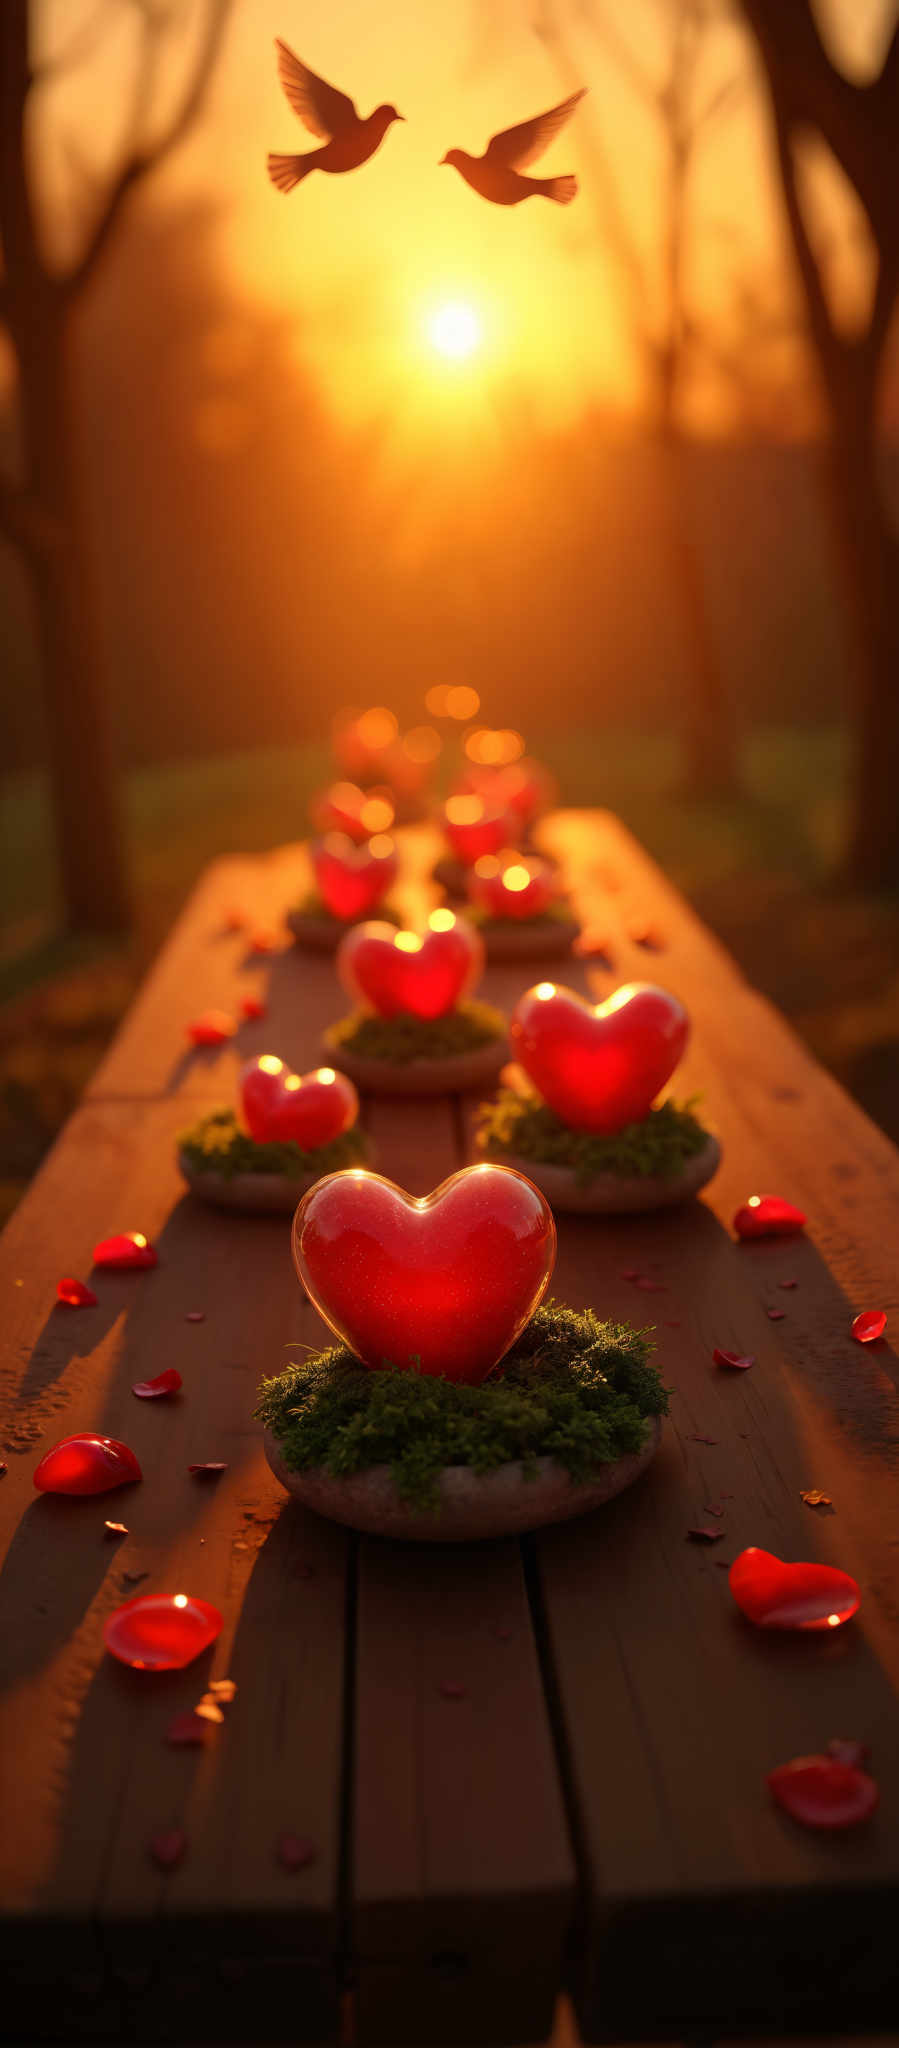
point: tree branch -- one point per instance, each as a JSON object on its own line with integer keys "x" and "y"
{"x": 139, "y": 165}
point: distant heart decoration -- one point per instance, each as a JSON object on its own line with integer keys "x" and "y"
{"x": 774, "y": 1594}
{"x": 310, "y": 1109}
{"x": 512, "y": 885}
{"x": 351, "y": 879}
{"x": 474, "y": 827}
{"x": 398, "y": 973}
{"x": 599, "y": 1067}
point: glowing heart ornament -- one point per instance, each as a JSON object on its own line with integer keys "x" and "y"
{"x": 350, "y": 879}
{"x": 512, "y": 885}
{"x": 411, "y": 974}
{"x": 599, "y": 1067}
{"x": 441, "y": 1284}
{"x": 360, "y": 813}
{"x": 474, "y": 826}
{"x": 310, "y": 1109}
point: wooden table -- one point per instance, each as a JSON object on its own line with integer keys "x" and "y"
{"x": 592, "y": 1810}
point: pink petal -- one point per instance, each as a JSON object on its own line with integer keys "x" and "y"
{"x": 195, "y": 1315}
{"x": 166, "y": 1382}
{"x": 168, "y": 1847}
{"x": 718, "y": 1512}
{"x": 213, "y": 1027}
{"x": 75, "y": 1294}
{"x": 651, "y": 1286}
{"x": 775, "y": 1315}
{"x": 631, "y": 1273}
{"x": 821, "y": 1792}
{"x": 732, "y": 1359}
{"x": 869, "y": 1325}
{"x": 122, "y": 1253}
{"x": 209, "y": 1471}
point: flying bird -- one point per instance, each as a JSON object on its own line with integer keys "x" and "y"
{"x": 497, "y": 174}
{"x": 347, "y": 141}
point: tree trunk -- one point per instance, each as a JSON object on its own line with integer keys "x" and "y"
{"x": 869, "y": 554}
{"x": 82, "y": 776}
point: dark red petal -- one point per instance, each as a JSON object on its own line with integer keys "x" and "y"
{"x": 195, "y": 1315}
{"x": 252, "y": 1007}
{"x": 161, "y": 1631}
{"x": 706, "y": 1535}
{"x": 187, "y": 1728}
{"x": 821, "y": 1792}
{"x": 651, "y": 1286}
{"x": 775, "y": 1315}
{"x": 703, "y": 1439}
{"x": 295, "y": 1852}
{"x": 768, "y": 1216}
{"x": 168, "y": 1847}
{"x": 213, "y": 1027}
{"x": 75, "y": 1294}
{"x": 631, "y": 1273}
{"x": 788, "y": 1283}
{"x": 717, "y": 1512}
{"x": 774, "y": 1594}
{"x": 210, "y": 1471}
{"x": 453, "y": 1689}
{"x": 166, "y": 1382}
{"x": 869, "y": 1325}
{"x": 126, "y": 1251}
{"x": 86, "y": 1464}
{"x": 732, "y": 1359}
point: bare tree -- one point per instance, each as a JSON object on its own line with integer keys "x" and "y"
{"x": 41, "y": 510}
{"x": 859, "y": 122}
{"x": 666, "y": 344}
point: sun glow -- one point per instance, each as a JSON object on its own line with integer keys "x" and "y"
{"x": 454, "y": 330}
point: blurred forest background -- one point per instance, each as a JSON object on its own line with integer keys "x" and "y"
{"x": 650, "y": 522}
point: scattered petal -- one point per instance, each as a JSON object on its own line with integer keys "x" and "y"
{"x": 168, "y": 1847}
{"x": 186, "y": 1728}
{"x": 453, "y": 1689}
{"x": 264, "y": 942}
{"x": 631, "y": 1273}
{"x": 814, "y": 1498}
{"x": 774, "y": 1594}
{"x": 211, "y": 1471}
{"x": 208, "y": 1710}
{"x": 166, "y": 1382}
{"x": 116, "y": 1528}
{"x": 672, "y": 1323}
{"x": 869, "y": 1325}
{"x": 122, "y": 1253}
{"x": 732, "y": 1359}
{"x": 822, "y": 1792}
{"x": 775, "y": 1315}
{"x": 253, "y": 1007}
{"x": 706, "y": 1535}
{"x": 75, "y": 1294}
{"x": 86, "y": 1464}
{"x": 703, "y": 1439}
{"x": 768, "y": 1216}
{"x": 295, "y": 1852}
{"x": 161, "y": 1631}
{"x": 847, "y": 1750}
{"x": 212, "y": 1027}
{"x": 721, "y": 1564}
{"x": 651, "y": 1286}
{"x": 718, "y": 1512}
{"x": 195, "y": 1315}
{"x": 787, "y": 1283}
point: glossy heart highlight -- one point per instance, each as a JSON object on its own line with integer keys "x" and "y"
{"x": 778, "y": 1595}
{"x": 86, "y": 1464}
{"x": 475, "y": 826}
{"x": 407, "y": 973}
{"x": 512, "y": 885}
{"x": 310, "y": 1109}
{"x": 599, "y": 1068}
{"x": 357, "y": 812}
{"x": 352, "y": 879}
{"x": 441, "y": 1284}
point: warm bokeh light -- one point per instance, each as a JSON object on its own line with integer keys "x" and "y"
{"x": 454, "y": 330}
{"x": 422, "y": 744}
{"x": 494, "y": 749}
{"x": 462, "y": 702}
{"x": 465, "y": 810}
{"x": 325, "y": 1075}
{"x": 407, "y": 942}
{"x": 441, "y": 920}
{"x": 376, "y": 728}
{"x": 381, "y": 847}
{"x": 376, "y": 814}
{"x": 516, "y": 878}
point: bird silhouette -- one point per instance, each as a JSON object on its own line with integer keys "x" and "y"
{"x": 496, "y": 174}
{"x": 347, "y": 141}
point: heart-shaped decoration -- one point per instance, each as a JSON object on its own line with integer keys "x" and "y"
{"x": 404, "y": 973}
{"x": 512, "y": 884}
{"x": 778, "y": 1595}
{"x": 523, "y": 787}
{"x": 768, "y": 1216}
{"x": 311, "y": 1108}
{"x": 352, "y": 879}
{"x": 441, "y": 1284}
{"x": 357, "y": 812}
{"x": 86, "y": 1464}
{"x": 474, "y": 826}
{"x": 599, "y": 1067}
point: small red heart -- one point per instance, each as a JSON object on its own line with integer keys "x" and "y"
{"x": 127, "y": 1252}
{"x": 443, "y": 1283}
{"x": 86, "y": 1464}
{"x": 398, "y": 973}
{"x": 352, "y": 879}
{"x": 778, "y": 1595}
{"x": 475, "y": 826}
{"x": 344, "y": 807}
{"x": 512, "y": 884}
{"x": 768, "y": 1216}
{"x": 523, "y": 787}
{"x": 599, "y": 1068}
{"x": 822, "y": 1792}
{"x": 311, "y": 1108}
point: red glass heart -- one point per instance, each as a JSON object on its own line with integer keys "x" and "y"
{"x": 404, "y": 973}
{"x": 869, "y": 1325}
{"x": 352, "y": 879}
{"x": 768, "y": 1216}
{"x": 822, "y": 1792}
{"x": 213, "y": 1027}
{"x": 510, "y": 884}
{"x": 473, "y": 827}
{"x": 123, "y": 1253}
{"x": 599, "y": 1068}
{"x": 310, "y": 1109}
{"x": 778, "y": 1595}
{"x": 75, "y": 1294}
{"x": 365, "y": 742}
{"x": 523, "y": 787}
{"x": 357, "y": 812}
{"x": 167, "y": 1382}
{"x": 442, "y": 1284}
{"x": 161, "y": 1631}
{"x": 86, "y": 1464}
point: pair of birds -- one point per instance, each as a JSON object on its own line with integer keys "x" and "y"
{"x": 348, "y": 141}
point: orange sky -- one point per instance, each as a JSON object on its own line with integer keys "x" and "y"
{"x": 362, "y": 260}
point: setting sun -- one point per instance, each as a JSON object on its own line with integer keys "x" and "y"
{"x": 454, "y": 330}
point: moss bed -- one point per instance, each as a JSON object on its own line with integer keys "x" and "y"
{"x": 524, "y": 1127}
{"x": 218, "y": 1144}
{"x": 312, "y": 906}
{"x": 572, "y": 1388}
{"x": 405, "y": 1038}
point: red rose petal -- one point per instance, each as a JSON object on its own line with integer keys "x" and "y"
{"x": 847, "y": 1750}
{"x": 775, "y": 1315}
{"x": 187, "y": 1729}
{"x": 787, "y": 1283}
{"x": 166, "y": 1382}
{"x": 295, "y": 1852}
{"x": 168, "y": 1847}
{"x": 75, "y": 1294}
{"x": 768, "y": 1216}
{"x": 85, "y": 1464}
{"x": 701, "y": 1535}
{"x": 195, "y": 1315}
{"x": 453, "y": 1689}
{"x": 213, "y": 1027}
{"x": 822, "y": 1792}
{"x": 161, "y": 1631}
{"x": 122, "y": 1253}
{"x": 869, "y": 1325}
{"x": 212, "y": 1470}
{"x": 672, "y": 1323}
{"x": 631, "y": 1273}
{"x": 703, "y": 1439}
{"x": 651, "y": 1286}
{"x": 253, "y": 1007}
{"x": 774, "y": 1594}
{"x": 732, "y": 1359}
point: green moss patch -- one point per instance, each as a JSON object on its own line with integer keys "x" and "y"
{"x": 572, "y": 1388}
{"x": 464, "y": 1029}
{"x": 217, "y": 1144}
{"x": 525, "y": 1127}
{"x": 311, "y": 905}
